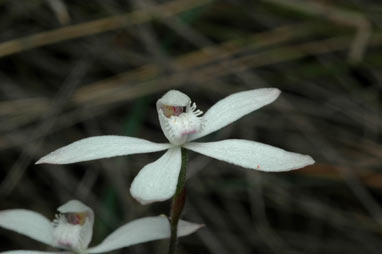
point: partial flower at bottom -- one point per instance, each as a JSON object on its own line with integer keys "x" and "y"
{"x": 182, "y": 123}
{"x": 72, "y": 229}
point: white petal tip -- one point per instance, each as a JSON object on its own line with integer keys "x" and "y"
{"x": 48, "y": 159}
{"x": 143, "y": 201}
{"x": 309, "y": 160}
{"x": 302, "y": 162}
{"x": 186, "y": 228}
{"x": 136, "y": 195}
{"x": 40, "y": 161}
{"x": 73, "y": 206}
{"x": 273, "y": 92}
{"x": 276, "y": 91}
{"x": 174, "y": 98}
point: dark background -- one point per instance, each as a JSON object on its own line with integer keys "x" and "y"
{"x": 74, "y": 69}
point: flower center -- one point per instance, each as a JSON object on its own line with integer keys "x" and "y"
{"x": 181, "y": 121}
{"x": 169, "y": 111}
{"x": 76, "y": 218}
{"x": 67, "y": 232}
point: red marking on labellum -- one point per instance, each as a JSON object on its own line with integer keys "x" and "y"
{"x": 65, "y": 244}
{"x": 76, "y": 218}
{"x": 258, "y": 166}
{"x": 169, "y": 111}
{"x": 188, "y": 132}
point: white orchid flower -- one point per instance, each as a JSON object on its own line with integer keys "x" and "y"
{"x": 182, "y": 123}
{"x": 73, "y": 228}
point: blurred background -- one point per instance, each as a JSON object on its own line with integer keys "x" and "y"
{"x": 74, "y": 69}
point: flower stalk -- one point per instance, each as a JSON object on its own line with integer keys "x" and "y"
{"x": 178, "y": 202}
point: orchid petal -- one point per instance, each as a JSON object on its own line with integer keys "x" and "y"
{"x": 77, "y": 207}
{"x": 28, "y": 223}
{"x": 253, "y": 155}
{"x": 74, "y": 206}
{"x": 186, "y": 228}
{"x": 142, "y": 230}
{"x": 35, "y": 252}
{"x": 157, "y": 181}
{"x": 174, "y": 98}
{"x": 234, "y": 107}
{"x": 101, "y": 147}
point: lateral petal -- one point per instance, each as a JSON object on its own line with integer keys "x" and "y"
{"x": 157, "y": 181}
{"x": 253, "y": 155}
{"x": 142, "y": 230}
{"x": 99, "y": 147}
{"x": 28, "y": 223}
{"x": 234, "y": 107}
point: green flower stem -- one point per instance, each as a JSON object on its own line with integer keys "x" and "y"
{"x": 178, "y": 203}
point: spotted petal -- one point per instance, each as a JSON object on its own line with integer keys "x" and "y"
{"x": 28, "y": 223}
{"x": 101, "y": 147}
{"x": 250, "y": 154}
{"x": 142, "y": 230}
{"x": 157, "y": 181}
{"x": 234, "y": 107}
